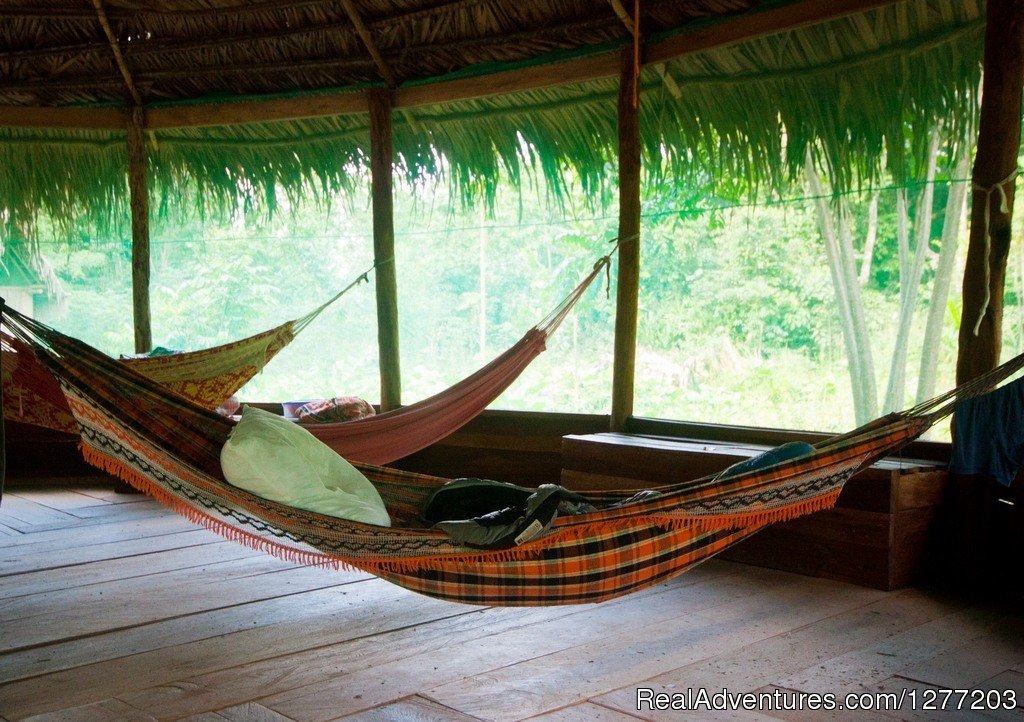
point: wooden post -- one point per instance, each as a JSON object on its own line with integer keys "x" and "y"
{"x": 137, "y": 184}
{"x": 627, "y": 291}
{"x": 381, "y": 153}
{"x": 993, "y": 189}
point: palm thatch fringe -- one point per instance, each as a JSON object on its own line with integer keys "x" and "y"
{"x": 866, "y": 89}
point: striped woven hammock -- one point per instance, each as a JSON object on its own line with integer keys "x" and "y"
{"x": 137, "y": 430}
{"x": 206, "y": 377}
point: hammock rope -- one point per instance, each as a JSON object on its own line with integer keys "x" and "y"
{"x": 139, "y": 431}
{"x": 300, "y": 323}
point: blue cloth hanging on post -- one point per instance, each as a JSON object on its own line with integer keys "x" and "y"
{"x": 988, "y": 434}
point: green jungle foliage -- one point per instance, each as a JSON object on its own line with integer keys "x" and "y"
{"x": 738, "y": 321}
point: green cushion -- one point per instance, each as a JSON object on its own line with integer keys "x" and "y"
{"x": 279, "y": 460}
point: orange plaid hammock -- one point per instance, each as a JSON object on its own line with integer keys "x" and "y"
{"x": 168, "y": 447}
{"x": 206, "y": 377}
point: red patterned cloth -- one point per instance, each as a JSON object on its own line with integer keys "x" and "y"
{"x": 342, "y": 408}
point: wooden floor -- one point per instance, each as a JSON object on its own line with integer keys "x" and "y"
{"x": 114, "y": 609}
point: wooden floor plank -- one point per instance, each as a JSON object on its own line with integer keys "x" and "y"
{"x": 44, "y": 618}
{"x": 291, "y": 622}
{"x": 896, "y": 687}
{"x": 128, "y": 566}
{"x": 760, "y": 663}
{"x": 25, "y": 515}
{"x": 385, "y": 682}
{"x": 352, "y": 664}
{"x": 106, "y": 493}
{"x": 874, "y": 663}
{"x": 1007, "y": 681}
{"x": 807, "y": 715}
{"x": 129, "y": 525}
{"x": 41, "y": 562}
{"x": 102, "y": 512}
{"x": 644, "y": 649}
{"x": 587, "y": 712}
{"x": 61, "y": 498}
{"x": 410, "y": 709}
{"x": 410, "y": 636}
{"x": 63, "y": 522}
{"x": 134, "y": 660}
{"x": 248, "y": 712}
{"x": 110, "y": 710}
{"x": 969, "y": 664}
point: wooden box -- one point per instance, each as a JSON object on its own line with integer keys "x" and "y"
{"x": 878, "y": 534}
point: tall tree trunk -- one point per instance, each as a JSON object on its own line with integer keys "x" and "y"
{"x": 903, "y": 235}
{"x": 869, "y": 240}
{"x": 910, "y": 279}
{"x": 848, "y": 302}
{"x": 943, "y": 278}
{"x": 860, "y": 324}
{"x": 482, "y": 328}
{"x": 981, "y": 332}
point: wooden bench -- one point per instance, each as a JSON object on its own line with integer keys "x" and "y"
{"x": 878, "y": 534}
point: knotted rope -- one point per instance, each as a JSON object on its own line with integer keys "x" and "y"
{"x": 1004, "y": 210}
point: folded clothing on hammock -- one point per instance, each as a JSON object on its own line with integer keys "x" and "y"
{"x": 155, "y": 353}
{"x": 789, "y": 450}
{"x": 327, "y": 411}
{"x": 489, "y": 514}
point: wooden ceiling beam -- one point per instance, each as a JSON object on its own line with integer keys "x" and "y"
{"x": 15, "y": 116}
{"x": 371, "y": 47}
{"x": 775, "y": 19}
{"x": 116, "y": 49}
{"x": 756, "y": 23}
{"x": 623, "y": 14}
{"x": 174, "y": 45}
{"x": 193, "y": 116}
{"x": 29, "y": 12}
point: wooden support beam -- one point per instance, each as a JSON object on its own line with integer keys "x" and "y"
{"x": 138, "y": 188}
{"x": 628, "y": 286}
{"x": 995, "y": 167}
{"x": 773, "y": 19}
{"x": 381, "y": 175}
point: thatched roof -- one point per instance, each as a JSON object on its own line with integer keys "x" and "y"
{"x": 851, "y": 83}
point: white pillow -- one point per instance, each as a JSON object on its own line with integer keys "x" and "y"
{"x": 279, "y": 460}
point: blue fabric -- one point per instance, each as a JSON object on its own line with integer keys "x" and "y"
{"x": 988, "y": 434}
{"x": 787, "y": 451}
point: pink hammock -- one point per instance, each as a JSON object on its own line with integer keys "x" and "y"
{"x": 385, "y": 437}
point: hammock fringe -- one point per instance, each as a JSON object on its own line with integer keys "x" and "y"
{"x": 139, "y": 482}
